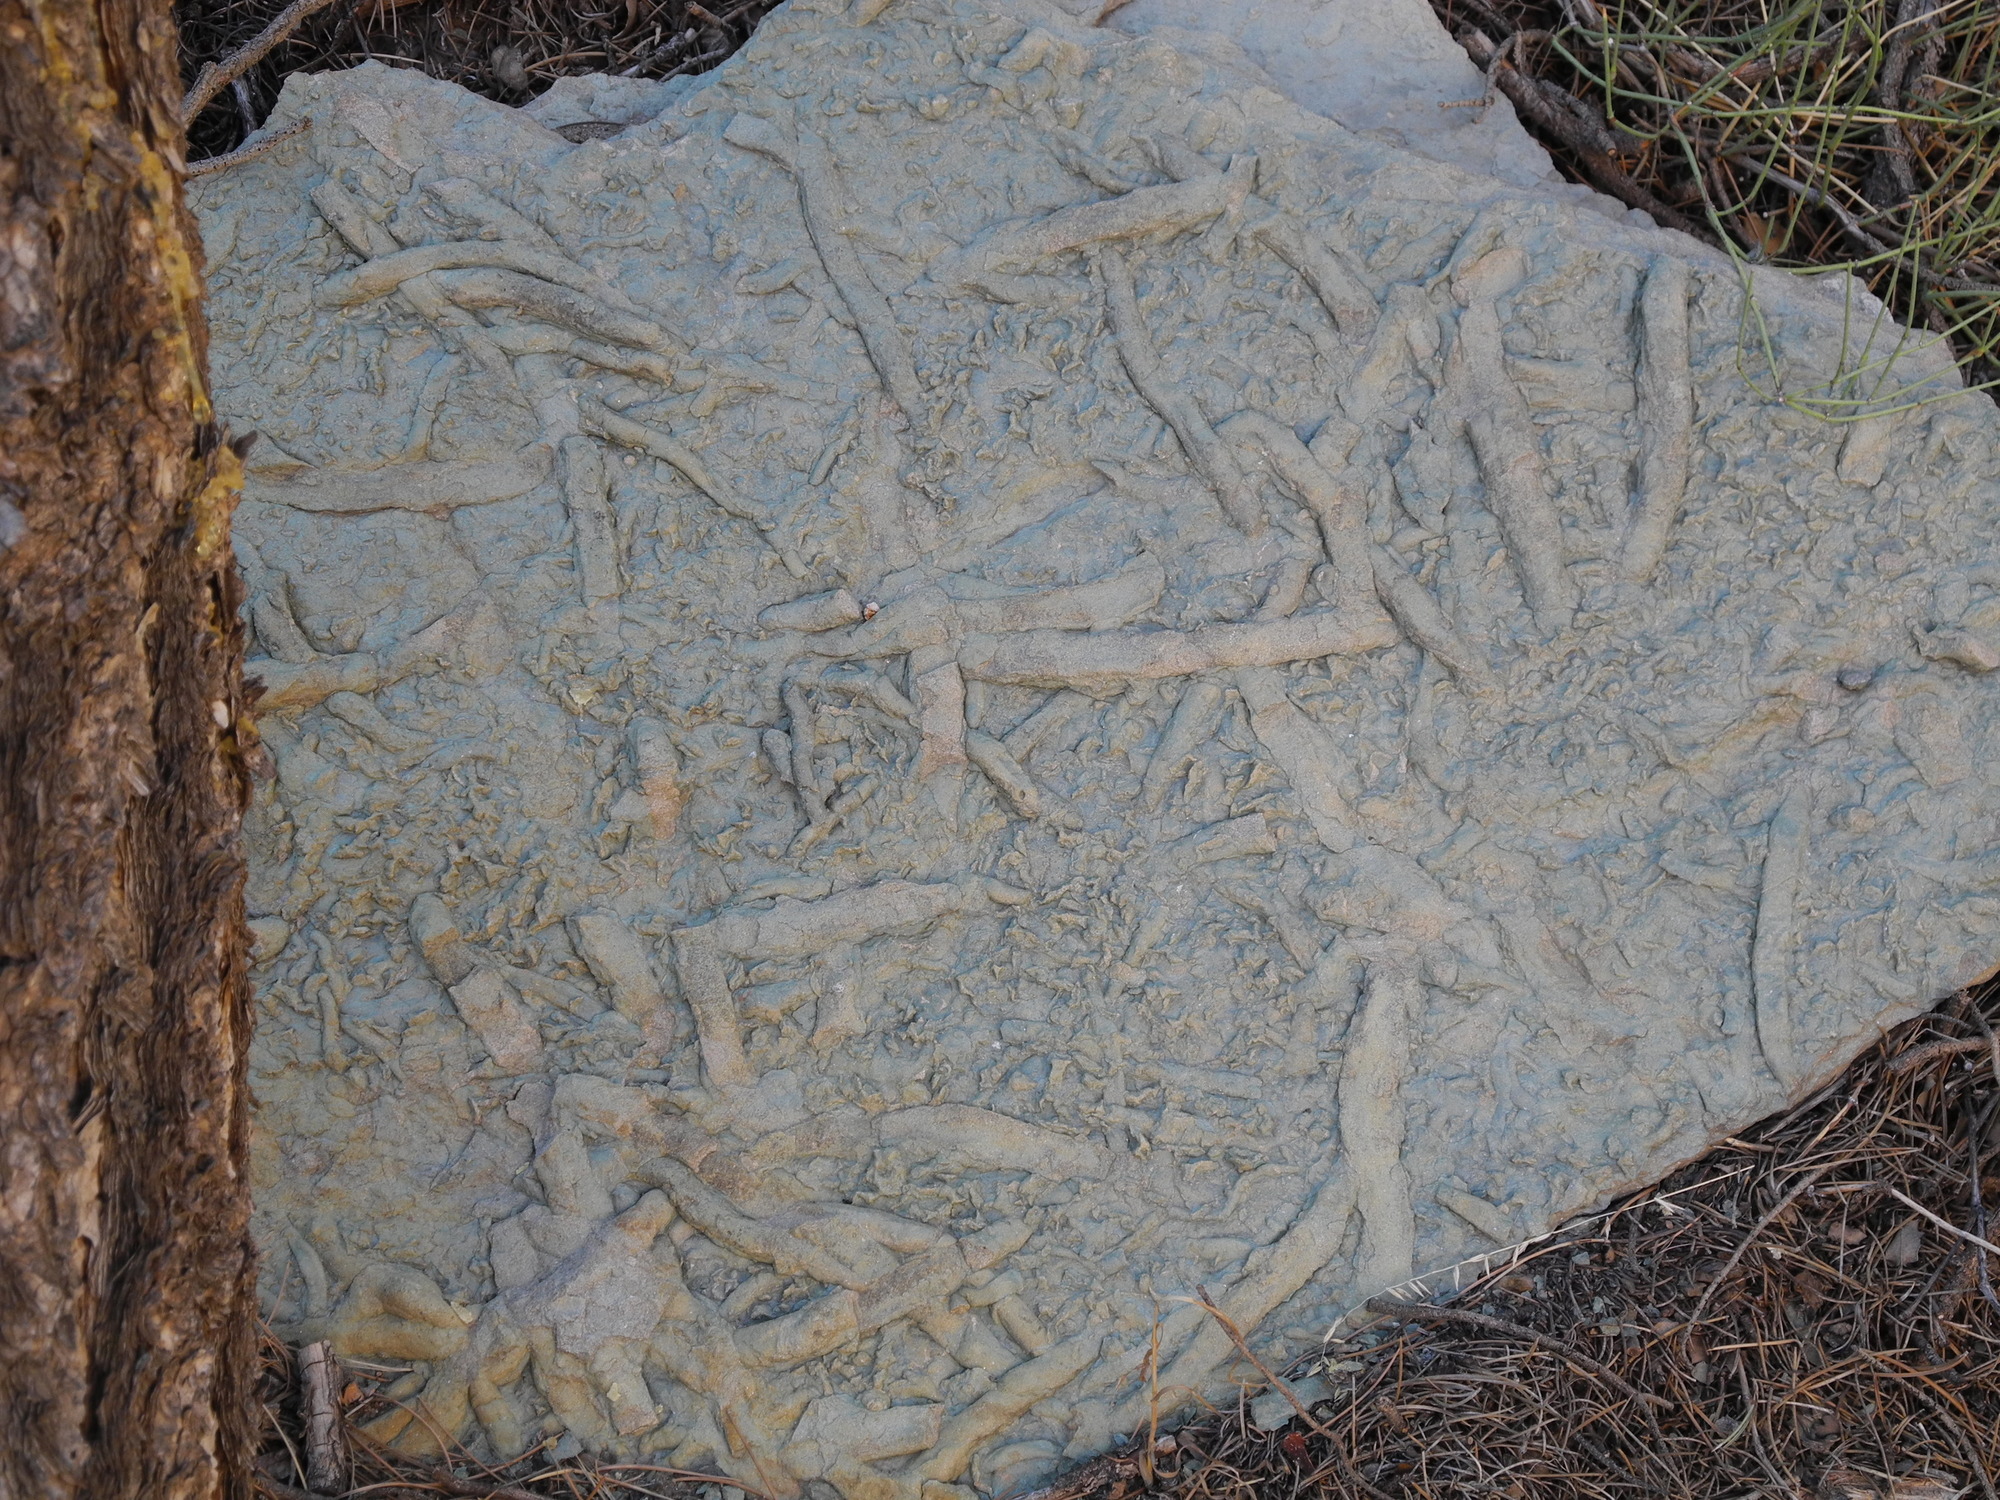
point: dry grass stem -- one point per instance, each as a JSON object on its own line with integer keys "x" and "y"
{"x": 1859, "y": 134}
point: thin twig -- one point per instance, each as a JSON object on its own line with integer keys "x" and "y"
{"x": 248, "y": 151}
{"x": 480, "y": 1489}
{"x": 1422, "y": 1312}
{"x": 1930, "y": 1052}
{"x": 1337, "y": 1450}
{"x": 1736, "y": 1256}
{"x": 1914, "y": 1382}
{"x": 1945, "y": 1224}
{"x": 1562, "y": 120}
{"x": 1750, "y": 1421}
{"x": 215, "y": 77}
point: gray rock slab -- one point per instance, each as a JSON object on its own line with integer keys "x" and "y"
{"x": 986, "y": 674}
{"x": 1382, "y": 67}
{"x": 599, "y": 98}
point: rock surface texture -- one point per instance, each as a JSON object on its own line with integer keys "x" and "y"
{"x": 984, "y": 675}
{"x": 1386, "y": 68}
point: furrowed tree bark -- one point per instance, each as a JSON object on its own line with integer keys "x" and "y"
{"x": 126, "y": 1309}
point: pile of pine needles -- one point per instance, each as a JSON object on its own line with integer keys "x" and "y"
{"x": 510, "y": 50}
{"x": 1854, "y": 134}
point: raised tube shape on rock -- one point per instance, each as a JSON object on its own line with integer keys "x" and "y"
{"x": 1006, "y": 773}
{"x": 351, "y": 222}
{"x": 1161, "y": 391}
{"x": 382, "y": 275}
{"x": 1056, "y": 658}
{"x": 992, "y": 1141}
{"x": 1335, "y": 502}
{"x": 820, "y": 194}
{"x": 820, "y": 1327}
{"x": 1423, "y": 621}
{"x": 1787, "y": 842}
{"x": 606, "y": 423}
{"x": 797, "y": 929}
{"x": 619, "y": 961}
{"x": 1510, "y": 462}
{"x": 705, "y": 987}
{"x": 1019, "y": 245}
{"x": 933, "y": 615}
{"x": 471, "y": 204}
{"x": 1304, "y": 751}
{"x": 301, "y": 684}
{"x": 1372, "y": 1126}
{"x": 1340, "y": 291}
{"x": 1017, "y": 1390}
{"x": 418, "y": 486}
{"x": 586, "y": 490}
{"x": 940, "y": 693}
{"x": 1273, "y": 1274}
{"x": 1666, "y": 416}
{"x": 815, "y": 612}
{"x": 1103, "y": 602}
{"x": 1193, "y": 722}
{"x": 484, "y": 287}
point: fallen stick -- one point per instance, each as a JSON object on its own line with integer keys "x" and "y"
{"x": 1337, "y": 1450}
{"x": 250, "y": 150}
{"x": 215, "y": 77}
{"x": 326, "y": 1440}
{"x": 1929, "y": 1052}
{"x": 1556, "y": 111}
{"x": 482, "y": 1489}
{"x": 1945, "y": 1224}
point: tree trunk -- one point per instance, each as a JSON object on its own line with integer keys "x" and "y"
{"x": 126, "y": 1309}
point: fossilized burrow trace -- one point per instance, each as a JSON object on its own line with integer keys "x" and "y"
{"x": 983, "y": 676}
